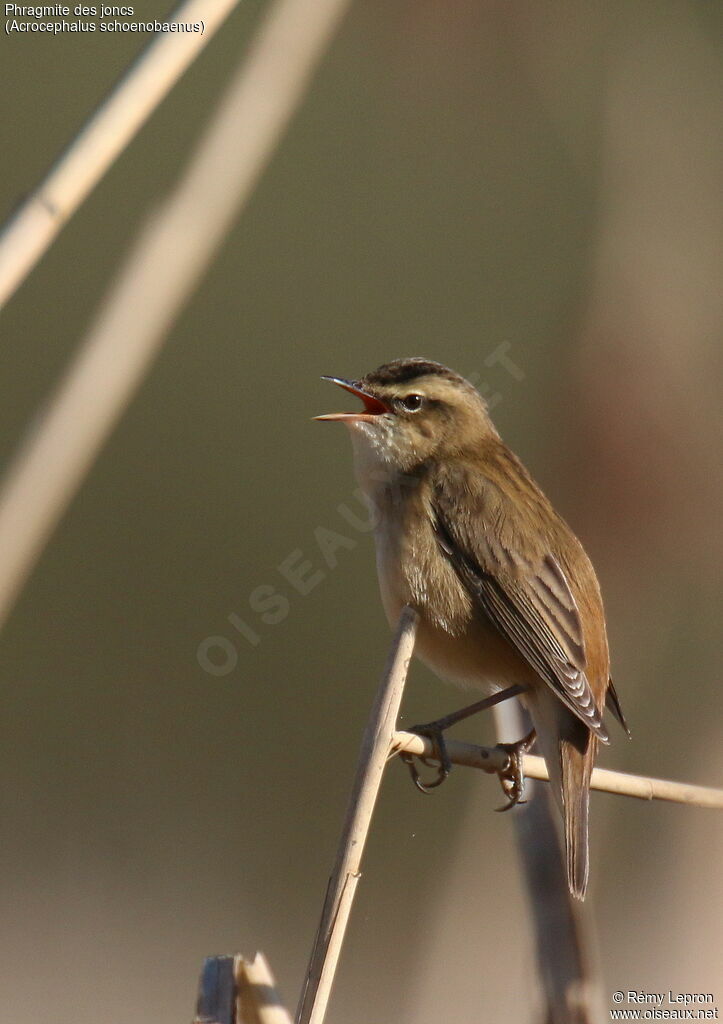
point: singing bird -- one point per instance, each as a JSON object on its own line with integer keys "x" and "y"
{"x": 505, "y": 594}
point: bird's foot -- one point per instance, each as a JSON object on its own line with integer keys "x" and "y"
{"x": 435, "y": 732}
{"x": 511, "y": 776}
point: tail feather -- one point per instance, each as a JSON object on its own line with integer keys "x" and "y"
{"x": 576, "y": 762}
{"x": 569, "y": 749}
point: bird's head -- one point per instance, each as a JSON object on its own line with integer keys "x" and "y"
{"x": 414, "y": 410}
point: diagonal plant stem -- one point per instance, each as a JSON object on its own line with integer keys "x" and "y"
{"x": 106, "y": 134}
{"x": 568, "y": 978}
{"x": 375, "y": 750}
{"x": 167, "y": 262}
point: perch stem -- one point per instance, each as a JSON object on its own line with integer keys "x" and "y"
{"x": 375, "y": 749}
{"x": 492, "y": 760}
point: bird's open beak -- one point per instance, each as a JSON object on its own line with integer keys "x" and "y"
{"x": 372, "y": 406}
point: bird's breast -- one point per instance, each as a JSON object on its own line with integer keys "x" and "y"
{"x": 454, "y": 638}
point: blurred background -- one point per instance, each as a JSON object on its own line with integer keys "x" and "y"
{"x": 526, "y": 192}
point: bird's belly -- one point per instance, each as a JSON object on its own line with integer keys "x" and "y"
{"x": 470, "y": 653}
{"x": 479, "y": 657}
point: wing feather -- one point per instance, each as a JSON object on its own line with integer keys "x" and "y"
{"x": 530, "y": 603}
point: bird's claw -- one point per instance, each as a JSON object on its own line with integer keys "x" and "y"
{"x": 511, "y": 777}
{"x": 433, "y": 732}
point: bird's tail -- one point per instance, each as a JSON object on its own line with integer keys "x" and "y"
{"x": 577, "y": 756}
{"x": 569, "y": 750}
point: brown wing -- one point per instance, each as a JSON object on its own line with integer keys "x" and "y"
{"x": 528, "y": 599}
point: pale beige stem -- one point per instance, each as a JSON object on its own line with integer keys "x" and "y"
{"x": 109, "y": 130}
{"x": 492, "y": 759}
{"x": 233, "y": 990}
{"x": 375, "y": 750}
{"x": 159, "y": 275}
{"x": 258, "y": 1001}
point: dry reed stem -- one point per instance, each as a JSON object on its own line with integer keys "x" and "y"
{"x": 172, "y": 253}
{"x": 108, "y": 131}
{"x": 258, "y": 1001}
{"x": 375, "y": 749}
{"x": 492, "y": 760}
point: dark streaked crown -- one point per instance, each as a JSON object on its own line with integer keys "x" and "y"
{"x": 402, "y": 370}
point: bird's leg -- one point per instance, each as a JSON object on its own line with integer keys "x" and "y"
{"x": 435, "y": 732}
{"x": 511, "y": 777}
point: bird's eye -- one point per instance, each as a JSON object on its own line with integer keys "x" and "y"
{"x": 412, "y": 403}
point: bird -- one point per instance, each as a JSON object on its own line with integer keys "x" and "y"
{"x": 506, "y": 597}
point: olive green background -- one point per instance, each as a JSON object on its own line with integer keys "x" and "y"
{"x": 461, "y": 176}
